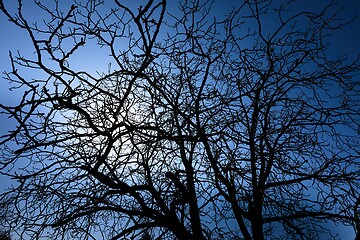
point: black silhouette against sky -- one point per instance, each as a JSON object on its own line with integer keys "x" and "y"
{"x": 12, "y": 39}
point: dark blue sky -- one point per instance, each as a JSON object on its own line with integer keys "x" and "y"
{"x": 345, "y": 40}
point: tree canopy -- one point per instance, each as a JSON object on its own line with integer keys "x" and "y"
{"x": 205, "y": 125}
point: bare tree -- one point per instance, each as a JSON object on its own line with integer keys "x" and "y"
{"x": 202, "y": 127}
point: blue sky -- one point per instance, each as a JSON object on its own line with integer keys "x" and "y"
{"x": 12, "y": 39}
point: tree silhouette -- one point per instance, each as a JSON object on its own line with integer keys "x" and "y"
{"x": 202, "y": 127}
{"x": 4, "y": 236}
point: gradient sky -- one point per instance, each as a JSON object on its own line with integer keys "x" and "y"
{"x": 12, "y": 39}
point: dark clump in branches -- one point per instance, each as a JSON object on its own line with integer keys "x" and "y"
{"x": 4, "y": 235}
{"x": 202, "y": 126}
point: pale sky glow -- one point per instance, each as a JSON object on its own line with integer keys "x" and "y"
{"x": 97, "y": 62}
